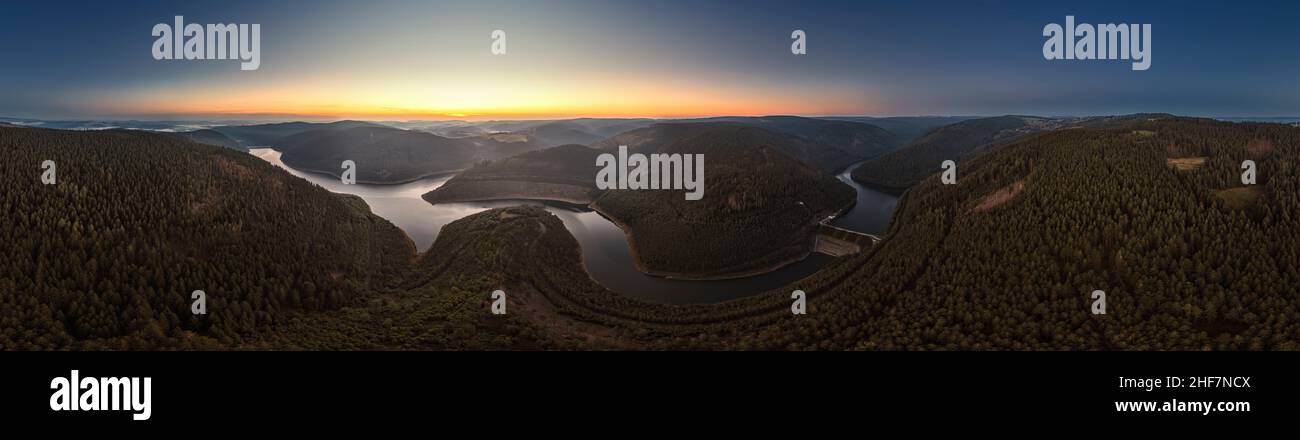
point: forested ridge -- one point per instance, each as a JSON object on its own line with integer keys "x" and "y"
{"x": 826, "y": 145}
{"x": 444, "y": 303}
{"x": 1152, "y": 211}
{"x": 1101, "y": 209}
{"x": 565, "y": 172}
{"x": 212, "y": 137}
{"x": 387, "y": 155}
{"x": 907, "y": 166}
{"x": 967, "y": 267}
{"x": 759, "y": 209}
{"x": 381, "y": 154}
{"x": 108, "y": 256}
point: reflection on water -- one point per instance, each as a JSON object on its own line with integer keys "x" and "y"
{"x": 872, "y": 211}
{"x": 605, "y": 251}
{"x": 400, "y": 204}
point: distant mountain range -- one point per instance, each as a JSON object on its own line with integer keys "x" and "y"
{"x": 382, "y": 154}
{"x": 908, "y": 166}
{"x": 568, "y": 172}
{"x": 267, "y": 135}
{"x": 394, "y": 152}
{"x": 900, "y": 151}
{"x": 905, "y": 128}
{"x": 213, "y": 137}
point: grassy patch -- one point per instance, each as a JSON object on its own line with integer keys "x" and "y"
{"x": 999, "y": 197}
{"x": 1186, "y": 163}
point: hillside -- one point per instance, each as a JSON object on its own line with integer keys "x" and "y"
{"x": 444, "y": 305}
{"x": 560, "y": 133}
{"x": 1189, "y": 258}
{"x": 856, "y": 139}
{"x": 382, "y": 154}
{"x": 212, "y": 137}
{"x": 827, "y": 144}
{"x": 565, "y": 173}
{"x": 606, "y": 127}
{"x": 905, "y": 129}
{"x": 654, "y": 138}
{"x": 1100, "y": 209}
{"x": 1008, "y": 260}
{"x": 904, "y": 168}
{"x": 107, "y": 257}
{"x": 270, "y": 135}
{"x": 759, "y": 210}
{"x": 387, "y": 155}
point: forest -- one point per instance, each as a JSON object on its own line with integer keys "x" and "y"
{"x": 1151, "y": 210}
{"x": 826, "y": 145}
{"x": 905, "y": 167}
{"x": 566, "y": 172}
{"x": 1097, "y": 209}
{"x": 763, "y": 194}
{"x": 759, "y": 209}
{"x": 107, "y": 257}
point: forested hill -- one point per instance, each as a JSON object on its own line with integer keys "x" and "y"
{"x": 565, "y": 173}
{"x": 1152, "y": 212}
{"x": 270, "y": 135}
{"x": 827, "y": 145}
{"x": 857, "y": 139}
{"x": 759, "y": 208}
{"x": 560, "y": 133}
{"x": 1187, "y": 256}
{"x": 212, "y": 137}
{"x": 108, "y": 256}
{"x": 381, "y": 154}
{"x": 654, "y": 138}
{"x": 904, "y": 128}
{"x": 387, "y": 155}
{"x": 905, "y": 167}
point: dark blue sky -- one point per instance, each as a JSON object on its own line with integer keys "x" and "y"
{"x": 660, "y": 58}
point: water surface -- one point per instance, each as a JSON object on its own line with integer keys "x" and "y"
{"x": 605, "y": 251}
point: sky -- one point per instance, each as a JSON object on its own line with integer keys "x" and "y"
{"x": 406, "y": 60}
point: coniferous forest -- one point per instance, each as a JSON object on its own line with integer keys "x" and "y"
{"x": 1152, "y": 211}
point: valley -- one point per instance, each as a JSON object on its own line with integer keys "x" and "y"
{"x": 608, "y": 257}
{"x": 1002, "y": 261}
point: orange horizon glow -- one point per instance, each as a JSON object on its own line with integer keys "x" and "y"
{"x": 254, "y": 107}
{"x": 492, "y": 97}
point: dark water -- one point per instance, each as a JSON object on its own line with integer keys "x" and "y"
{"x": 605, "y": 251}
{"x": 872, "y": 211}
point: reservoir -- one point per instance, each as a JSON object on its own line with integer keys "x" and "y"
{"x": 605, "y": 251}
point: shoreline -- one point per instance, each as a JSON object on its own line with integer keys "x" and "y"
{"x": 372, "y": 182}
{"x": 359, "y": 181}
{"x": 594, "y": 206}
{"x": 574, "y": 202}
{"x": 511, "y": 196}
